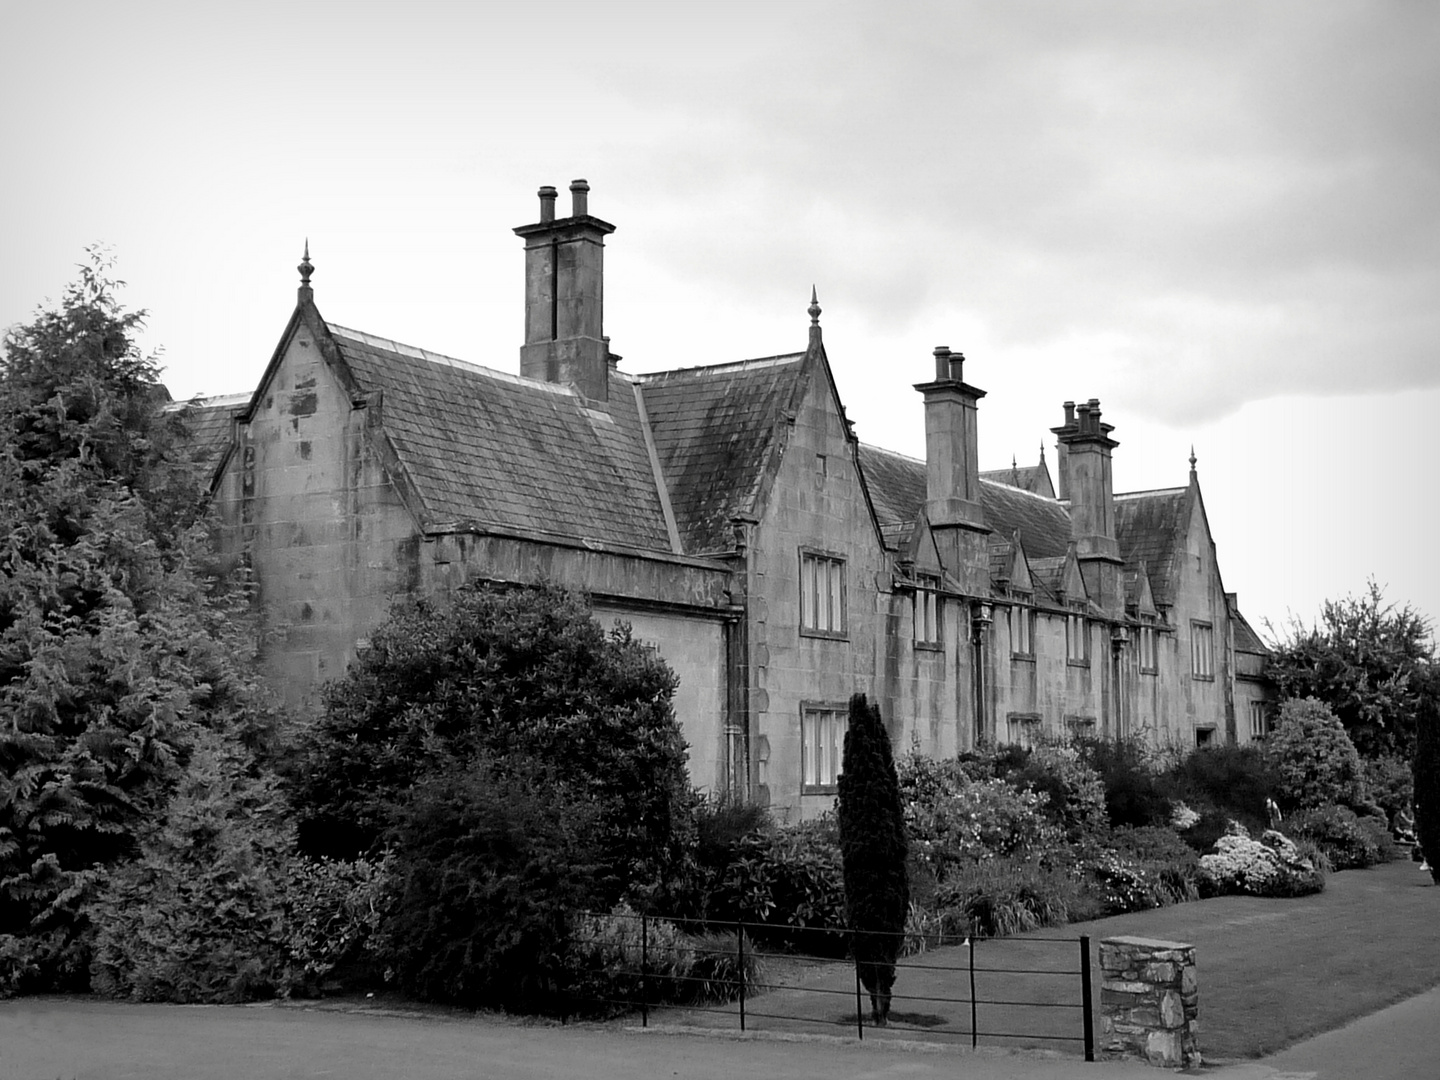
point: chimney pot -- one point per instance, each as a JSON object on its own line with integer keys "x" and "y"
{"x": 547, "y": 203}
{"x": 1069, "y": 413}
{"x": 579, "y": 198}
{"x": 942, "y": 362}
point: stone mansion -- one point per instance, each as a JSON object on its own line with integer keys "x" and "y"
{"x": 733, "y": 518}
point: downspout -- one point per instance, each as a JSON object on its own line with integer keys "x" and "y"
{"x": 980, "y": 619}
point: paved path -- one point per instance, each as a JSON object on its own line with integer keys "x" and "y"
{"x": 77, "y": 1039}
{"x": 1330, "y": 940}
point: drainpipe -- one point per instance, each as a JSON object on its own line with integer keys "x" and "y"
{"x": 980, "y": 618}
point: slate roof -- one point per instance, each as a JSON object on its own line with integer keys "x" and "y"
{"x": 1149, "y": 526}
{"x": 1034, "y": 478}
{"x": 1246, "y": 640}
{"x": 207, "y": 420}
{"x": 897, "y": 488}
{"x": 714, "y": 428}
{"x": 483, "y": 446}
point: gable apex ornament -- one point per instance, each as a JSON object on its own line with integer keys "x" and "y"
{"x": 306, "y": 268}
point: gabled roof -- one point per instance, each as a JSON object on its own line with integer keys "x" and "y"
{"x": 1033, "y": 478}
{"x": 715, "y": 429}
{"x": 208, "y": 423}
{"x": 897, "y": 488}
{"x": 490, "y": 448}
{"x": 1150, "y": 526}
{"x": 1246, "y": 640}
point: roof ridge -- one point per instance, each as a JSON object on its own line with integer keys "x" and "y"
{"x": 417, "y": 353}
{"x": 893, "y": 453}
{"x": 1023, "y": 491}
{"x": 732, "y": 365}
{"x": 214, "y": 401}
{"x": 1151, "y": 491}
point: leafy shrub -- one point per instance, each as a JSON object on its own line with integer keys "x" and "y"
{"x": 519, "y": 677}
{"x": 1348, "y": 843}
{"x": 1074, "y": 793}
{"x": 1313, "y": 757}
{"x": 333, "y": 908}
{"x": 199, "y": 915}
{"x": 1170, "y": 867}
{"x": 789, "y": 884}
{"x": 488, "y": 868}
{"x": 620, "y": 957}
{"x": 1006, "y": 895}
{"x": 1390, "y": 781}
{"x": 717, "y": 973}
{"x": 953, "y": 820}
{"x": 1270, "y": 866}
{"x": 1134, "y": 795}
{"x": 1235, "y": 779}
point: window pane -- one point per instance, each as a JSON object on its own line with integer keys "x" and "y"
{"x": 807, "y": 591}
{"x": 837, "y": 601}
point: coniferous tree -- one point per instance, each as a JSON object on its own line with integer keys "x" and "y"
{"x": 114, "y": 640}
{"x": 873, "y": 848}
{"x": 1427, "y": 773}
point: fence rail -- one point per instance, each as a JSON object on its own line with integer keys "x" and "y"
{"x": 646, "y": 969}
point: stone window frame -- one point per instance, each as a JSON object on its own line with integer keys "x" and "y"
{"x": 1077, "y": 630}
{"x": 1024, "y": 724}
{"x": 1022, "y": 645}
{"x": 1205, "y": 736}
{"x": 928, "y": 613}
{"x": 1202, "y": 650}
{"x": 819, "y": 776}
{"x": 810, "y": 561}
{"x": 1148, "y": 646}
{"x": 1259, "y": 719}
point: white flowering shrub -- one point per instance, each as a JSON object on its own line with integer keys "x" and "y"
{"x": 1270, "y": 866}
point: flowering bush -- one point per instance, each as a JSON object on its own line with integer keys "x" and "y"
{"x": 953, "y": 820}
{"x": 1075, "y": 793}
{"x": 1182, "y": 817}
{"x": 1270, "y": 866}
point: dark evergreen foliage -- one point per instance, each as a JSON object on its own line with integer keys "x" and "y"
{"x": 1427, "y": 772}
{"x": 520, "y": 677}
{"x": 116, "y": 638}
{"x": 873, "y": 847}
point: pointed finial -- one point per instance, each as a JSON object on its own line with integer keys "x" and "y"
{"x": 305, "y": 267}
{"x": 814, "y": 308}
{"x": 1014, "y": 461}
{"x": 1042, "y": 453}
{"x": 1192, "y": 459}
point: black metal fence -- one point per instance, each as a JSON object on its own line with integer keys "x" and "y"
{"x": 1023, "y": 989}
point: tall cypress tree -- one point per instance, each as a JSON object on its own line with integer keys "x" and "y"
{"x": 873, "y": 848}
{"x": 1427, "y": 772}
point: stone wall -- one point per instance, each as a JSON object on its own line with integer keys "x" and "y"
{"x": 1149, "y": 1002}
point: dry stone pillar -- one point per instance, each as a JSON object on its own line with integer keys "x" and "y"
{"x": 1149, "y": 1001}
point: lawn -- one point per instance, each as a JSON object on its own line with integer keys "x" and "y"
{"x": 1272, "y": 972}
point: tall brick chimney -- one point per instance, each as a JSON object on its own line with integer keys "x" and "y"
{"x": 1084, "y": 445}
{"x": 564, "y": 296}
{"x": 952, "y": 468}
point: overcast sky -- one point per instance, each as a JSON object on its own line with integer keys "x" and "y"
{"x": 1218, "y": 218}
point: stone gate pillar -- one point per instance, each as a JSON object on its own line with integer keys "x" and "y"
{"x": 1149, "y": 1001}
